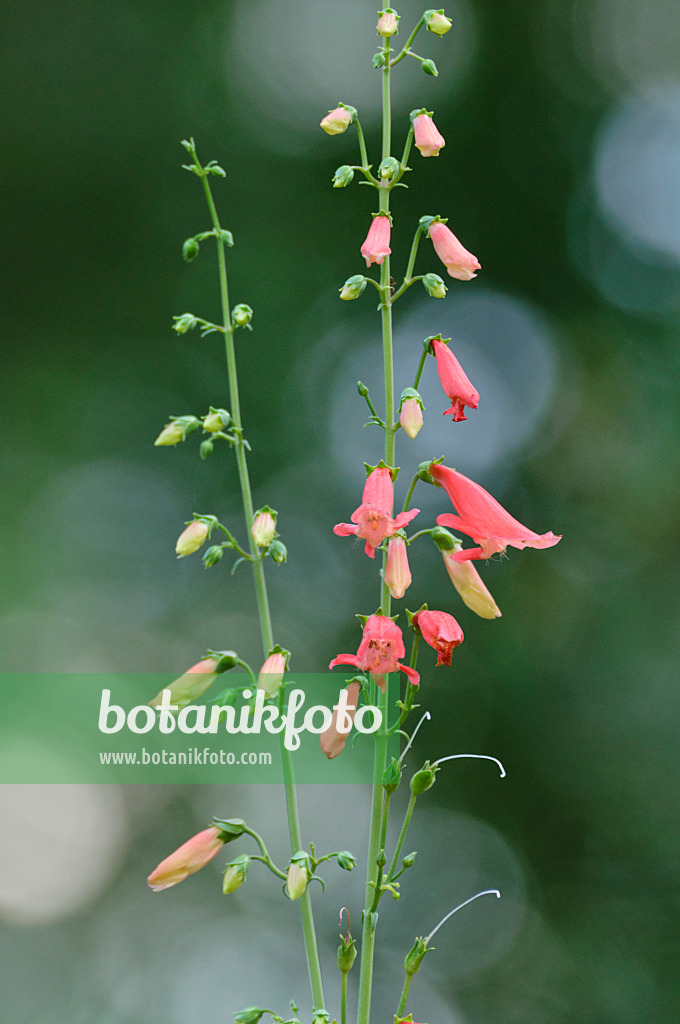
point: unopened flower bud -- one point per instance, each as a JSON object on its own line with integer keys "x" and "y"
{"x": 189, "y": 686}
{"x": 185, "y": 322}
{"x": 298, "y": 875}
{"x": 388, "y": 22}
{"x": 430, "y": 68}
{"x": 362, "y": 389}
{"x": 190, "y": 249}
{"x": 353, "y": 287}
{"x": 388, "y": 168}
{"x": 343, "y": 176}
{"x": 337, "y": 121}
{"x": 251, "y": 1015}
{"x": 241, "y": 315}
{"x": 423, "y": 780}
{"x": 409, "y": 859}
{"x": 189, "y": 858}
{"x": 192, "y": 538}
{"x": 346, "y": 860}
{"x": 216, "y": 420}
{"x": 470, "y": 585}
{"x": 263, "y": 529}
{"x": 207, "y": 448}
{"x": 271, "y": 674}
{"x": 411, "y": 412}
{"x": 346, "y": 954}
{"x": 434, "y": 286}
{"x": 213, "y": 555}
{"x": 235, "y": 874}
{"x": 415, "y": 956}
{"x": 170, "y": 435}
{"x": 378, "y": 60}
{"x": 397, "y": 573}
{"x": 392, "y": 776}
{"x": 278, "y": 552}
{"x": 437, "y": 22}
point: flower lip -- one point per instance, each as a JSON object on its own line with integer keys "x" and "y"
{"x": 372, "y": 520}
{"x": 380, "y": 651}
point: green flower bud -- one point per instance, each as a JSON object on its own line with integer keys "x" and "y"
{"x": 185, "y": 322}
{"x": 388, "y": 168}
{"x": 251, "y": 1015}
{"x": 216, "y": 420}
{"x": 444, "y": 540}
{"x": 378, "y": 60}
{"x": 298, "y": 875}
{"x": 392, "y": 776}
{"x": 241, "y": 315}
{"x": 346, "y": 954}
{"x": 226, "y": 660}
{"x": 362, "y": 389}
{"x": 190, "y": 249}
{"x": 343, "y": 176}
{"x": 430, "y": 68}
{"x": 235, "y": 874}
{"x": 353, "y": 287}
{"x": 415, "y": 956}
{"x": 423, "y": 780}
{"x": 434, "y": 286}
{"x": 346, "y": 860}
{"x": 278, "y": 552}
{"x": 213, "y": 555}
{"x": 170, "y": 435}
{"x": 437, "y": 22}
{"x": 409, "y": 859}
{"x": 207, "y": 447}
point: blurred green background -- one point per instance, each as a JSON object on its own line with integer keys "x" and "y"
{"x": 561, "y": 172}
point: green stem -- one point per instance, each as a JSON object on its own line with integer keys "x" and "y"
{"x": 266, "y": 631}
{"x": 343, "y": 998}
{"x": 409, "y": 493}
{"x": 402, "y": 836}
{"x": 383, "y": 840}
{"x": 410, "y": 39}
{"x": 421, "y": 366}
{"x": 408, "y": 278}
{"x": 380, "y": 753}
{"x": 404, "y": 995}
{"x": 364, "y": 155}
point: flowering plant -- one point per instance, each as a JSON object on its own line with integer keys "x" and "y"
{"x": 381, "y": 652}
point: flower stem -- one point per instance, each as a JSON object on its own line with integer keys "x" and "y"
{"x": 402, "y": 836}
{"x": 404, "y": 995}
{"x": 343, "y": 998}
{"x": 410, "y": 39}
{"x": 266, "y": 630}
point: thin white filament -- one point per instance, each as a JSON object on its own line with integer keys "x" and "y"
{"x": 427, "y": 716}
{"x": 486, "y": 892}
{"x": 484, "y": 757}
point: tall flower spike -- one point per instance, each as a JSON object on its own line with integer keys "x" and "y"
{"x": 441, "y": 631}
{"x": 458, "y": 261}
{"x": 373, "y": 518}
{"x": 454, "y": 381}
{"x": 481, "y": 517}
{"x": 189, "y": 858}
{"x": 427, "y": 139}
{"x": 381, "y": 647}
{"x": 377, "y": 244}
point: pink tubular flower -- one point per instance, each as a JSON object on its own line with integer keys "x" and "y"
{"x": 471, "y": 587}
{"x": 381, "y": 647}
{"x": 271, "y": 674}
{"x": 427, "y": 138}
{"x": 335, "y": 736}
{"x": 373, "y": 518}
{"x": 411, "y": 417}
{"x": 263, "y": 530}
{"x": 397, "y": 572}
{"x": 189, "y": 858}
{"x": 458, "y": 261}
{"x": 192, "y": 538}
{"x": 336, "y": 121}
{"x": 377, "y": 244}
{"x": 481, "y": 517}
{"x": 192, "y": 684}
{"x": 441, "y": 631}
{"x": 454, "y": 381}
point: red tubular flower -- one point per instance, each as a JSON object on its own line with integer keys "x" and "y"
{"x": 381, "y": 647}
{"x": 454, "y": 381}
{"x": 427, "y": 139}
{"x": 481, "y": 517}
{"x": 333, "y": 739}
{"x": 373, "y": 518}
{"x": 441, "y": 631}
{"x": 189, "y": 858}
{"x": 397, "y": 573}
{"x": 458, "y": 261}
{"x": 377, "y": 244}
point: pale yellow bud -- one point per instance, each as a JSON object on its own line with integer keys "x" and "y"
{"x": 172, "y": 434}
{"x": 192, "y": 538}
{"x": 471, "y": 587}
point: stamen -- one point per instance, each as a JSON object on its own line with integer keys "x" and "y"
{"x": 485, "y": 757}
{"x": 427, "y": 716}
{"x": 486, "y": 892}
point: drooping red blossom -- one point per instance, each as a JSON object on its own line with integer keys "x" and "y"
{"x": 381, "y": 647}
{"x": 481, "y": 517}
{"x": 373, "y": 518}
{"x": 441, "y": 631}
{"x": 189, "y": 858}
{"x": 458, "y": 261}
{"x": 377, "y": 244}
{"x": 454, "y": 381}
